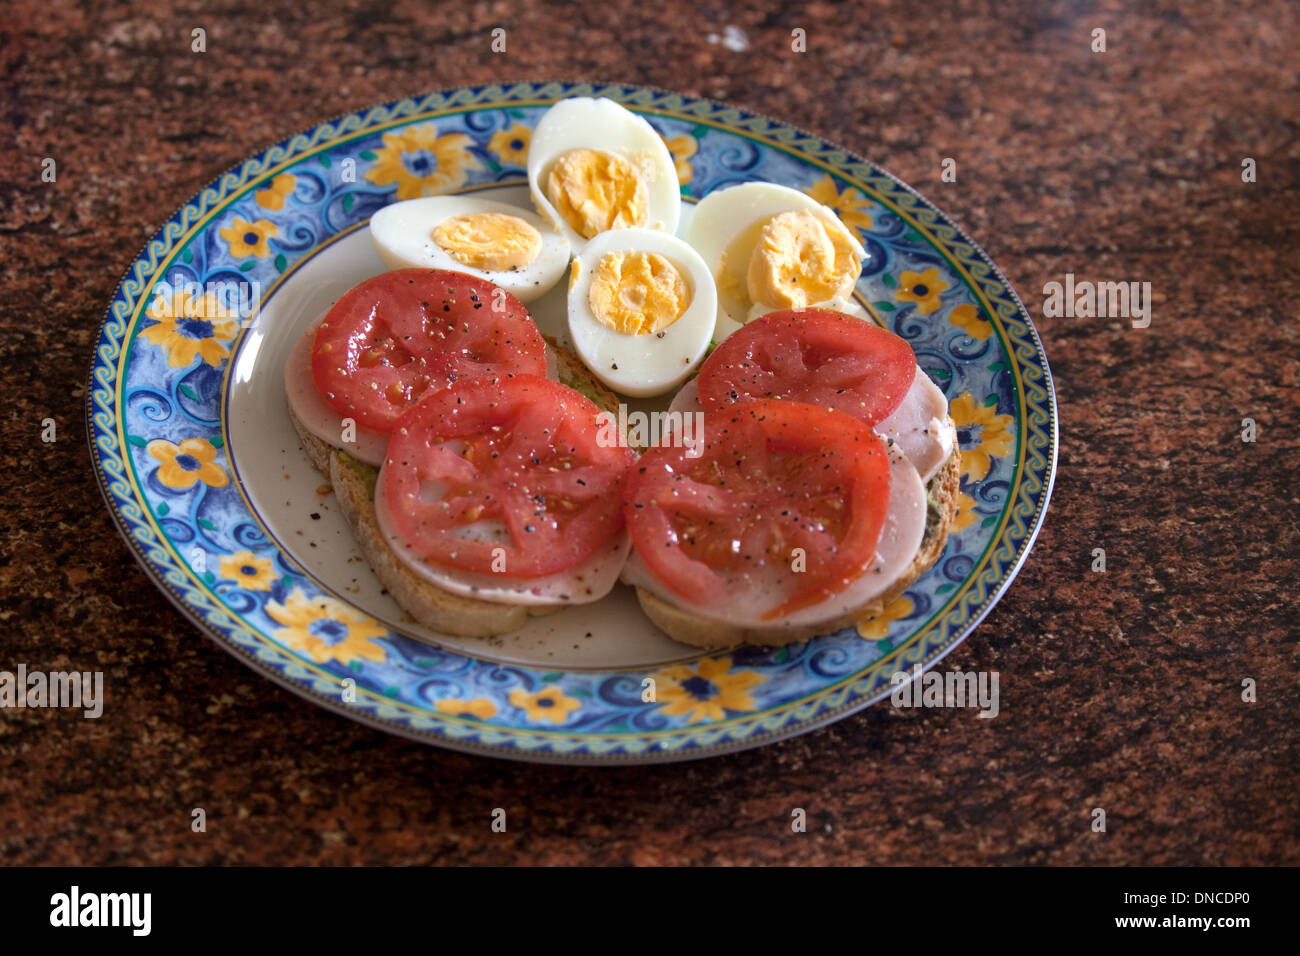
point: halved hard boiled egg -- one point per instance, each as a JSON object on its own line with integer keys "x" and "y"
{"x": 771, "y": 247}
{"x": 513, "y": 248}
{"x": 594, "y": 166}
{"x": 641, "y": 310}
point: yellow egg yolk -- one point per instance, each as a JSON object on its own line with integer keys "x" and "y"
{"x": 791, "y": 260}
{"x": 596, "y": 191}
{"x": 491, "y": 241}
{"x": 637, "y": 292}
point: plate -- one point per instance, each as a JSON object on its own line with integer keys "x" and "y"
{"x": 203, "y": 474}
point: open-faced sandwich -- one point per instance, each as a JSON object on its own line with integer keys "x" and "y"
{"x": 472, "y": 456}
{"x": 826, "y": 486}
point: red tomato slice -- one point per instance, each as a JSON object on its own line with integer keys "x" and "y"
{"x": 815, "y": 356}
{"x": 514, "y": 464}
{"x": 394, "y": 337}
{"x": 773, "y": 476}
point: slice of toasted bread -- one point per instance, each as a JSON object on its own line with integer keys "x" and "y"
{"x": 432, "y": 606}
{"x": 435, "y": 607}
{"x": 682, "y": 625}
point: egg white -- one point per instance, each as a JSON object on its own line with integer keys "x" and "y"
{"x": 601, "y": 124}
{"x": 837, "y": 304}
{"x": 403, "y": 238}
{"x": 651, "y": 363}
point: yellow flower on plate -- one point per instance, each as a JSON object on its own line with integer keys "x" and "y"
{"x": 249, "y": 238}
{"x": 982, "y": 433}
{"x": 248, "y": 571}
{"x": 967, "y": 318}
{"x": 188, "y": 326}
{"x": 706, "y": 691}
{"x": 421, "y": 162}
{"x": 849, "y": 205}
{"x": 923, "y": 288}
{"x": 274, "y": 195}
{"x": 965, "y": 512}
{"x": 549, "y": 703}
{"x": 511, "y": 145}
{"x": 194, "y": 459}
{"x": 479, "y": 707}
{"x": 325, "y": 629}
{"x": 876, "y": 627}
{"x": 682, "y": 149}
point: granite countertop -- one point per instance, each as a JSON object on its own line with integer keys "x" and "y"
{"x": 1120, "y": 690}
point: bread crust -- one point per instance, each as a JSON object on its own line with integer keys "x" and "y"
{"x": 688, "y": 628}
{"x": 318, "y": 452}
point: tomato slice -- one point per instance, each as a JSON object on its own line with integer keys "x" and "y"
{"x": 396, "y": 336}
{"x": 772, "y": 476}
{"x": 515, "y": 465}
{"x": 811, "y": 355}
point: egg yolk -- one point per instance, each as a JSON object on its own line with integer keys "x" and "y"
{"x": 637, "y": 292}
{"x": 491, "y": 241}
{"x": 793, "y": 261}
{"x": 596, "y": 191}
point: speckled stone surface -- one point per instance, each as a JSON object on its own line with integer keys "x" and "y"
{"x": 1120, "y": 690}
